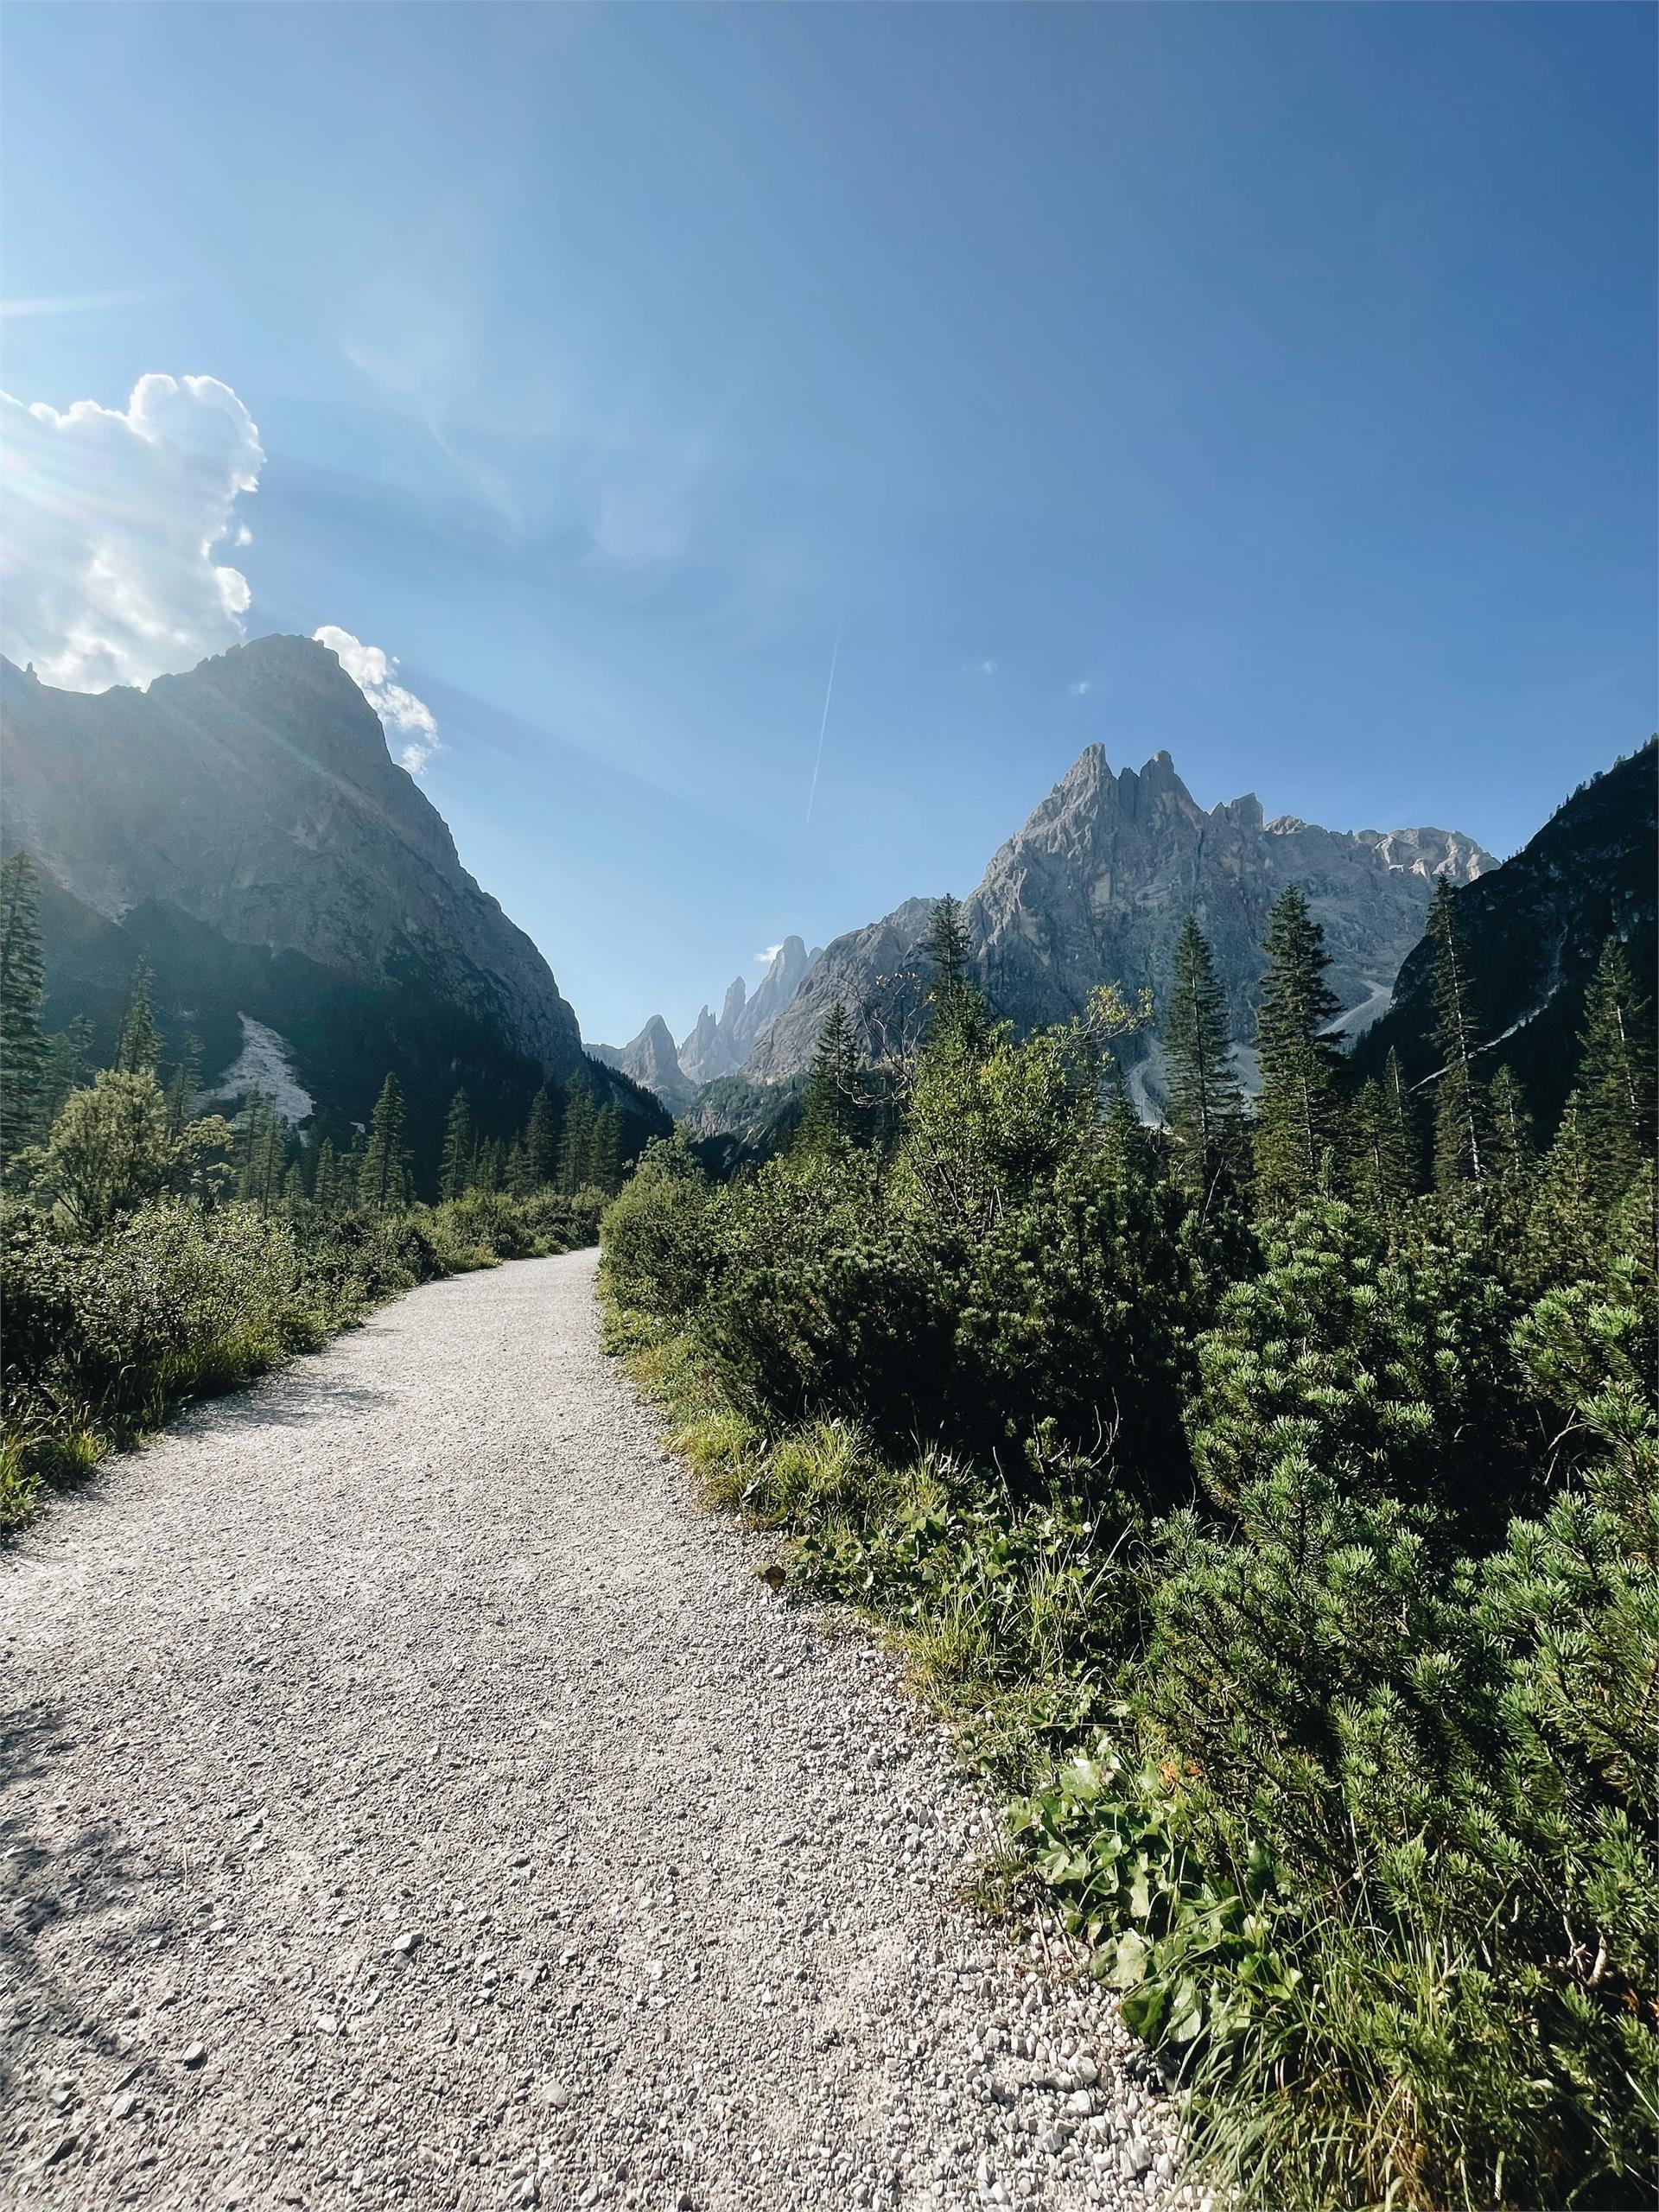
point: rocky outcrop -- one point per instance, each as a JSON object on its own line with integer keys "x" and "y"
{"x": 652, "y": 1060}
{"x": 1532, "y": 932}
{"x": 1094, "y": 889}
{"x": 705, "y": 1055}
{"x": 244, "y": 828}
{"x": 718, "y": 1046}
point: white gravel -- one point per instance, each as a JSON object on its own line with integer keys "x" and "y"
{"x": 409, "y": 1799}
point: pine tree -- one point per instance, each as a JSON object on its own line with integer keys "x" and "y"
{"x": 326, "y": 1194}
{"x": 139, "y": 1046}
{"x": 69, "y": 1055}
{"x": 947, "y": 950}
{"x": 605, "y": 1159}
{"x": 540, "y": 1141}
{"x": 24, "y": 1055}
{"x": 955, "y": 1004}
{"x": 1511, "y": 1153}
{"x": 1383, "y": 1180}
{"x": 1565, "y": 1222}
{"x": 828, "y": 1115}
{"x": 294, "y": 1184}
{"x": 262, "y": 1152}
{"x": 250, "y": 1157}
{"x": 1461, "y": 1125}
{"x": 1298, "y": 1114}
{"x": 1615, "y": 1085}
{"x": 455, "y": 1162}
{"x": 576, "y": 1149}
{"x": 382, "y": 1180}
{"x": 183, "y": 1089}
{"x": 1206, "y": 1107}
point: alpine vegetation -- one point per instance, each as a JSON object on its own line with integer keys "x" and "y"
{"x": 151, "y": 1252}
{"x": 1269, "y": 1499}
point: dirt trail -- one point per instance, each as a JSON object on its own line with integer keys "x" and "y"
{"x": 407, "y": 1797}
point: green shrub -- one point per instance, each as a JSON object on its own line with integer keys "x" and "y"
{"x": 173, "y": 1299}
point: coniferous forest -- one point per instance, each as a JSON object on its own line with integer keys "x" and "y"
{"x": 1269, "y": 1501}
{"x": 155, "y": 1251}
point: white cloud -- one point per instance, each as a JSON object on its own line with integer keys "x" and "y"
{"x": 765, "y": 959}
{"x": 375, "y": 675}
{"x": 979, "y": 667}
{"x": 1082, "y": 688}
{"x": 111, "y": 516}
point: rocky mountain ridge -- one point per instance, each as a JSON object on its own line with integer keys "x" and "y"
{"x": 1094, "y": 889}
{"x": 717, "y": 1044}
{"x": 1533, "y": 930}
{"x": 244, "y": 829}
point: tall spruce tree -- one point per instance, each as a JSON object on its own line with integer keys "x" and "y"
{"x": 139, "y": 1045}
{"x": 1298, "y": 1124}
{"x": 1615, "y": 1084}
{"x": 1206, "y": 1107}
{"x": 576, "y": 1146}
{"x": 1461, "y": 1120}
{"x": 325, "y": 1193}
{"x": 383, "y": 1180}
{"x": 25, "y": 1058}
{"x": 604, "y": 1152}
{"x": 1511, "y": 1153}
{"x": 262, "y": 1152}
{"x": 455, "y": 1161}
{"x": 828, "y": 1111}
{"x": 248, "y": 1154}
{"x": 955, "y": 1005}
{"x": 184, "y": 1083}
{"x": 68, "y": 1056}
{"x": 540, "y": 1141}
{"x": 1382, "y": 1161}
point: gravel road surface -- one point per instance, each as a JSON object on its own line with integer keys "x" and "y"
{"x": 408, "y": 1798}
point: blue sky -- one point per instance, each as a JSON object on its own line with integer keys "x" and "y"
{"x": 1271, "y": 383}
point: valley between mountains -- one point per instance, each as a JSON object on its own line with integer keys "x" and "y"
{"x": 462, "y": 1821}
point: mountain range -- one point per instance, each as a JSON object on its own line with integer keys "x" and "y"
{"x": 718, "y": 1045}
{"x": 243, "y": 829}
{"x": 1093, "y": 889}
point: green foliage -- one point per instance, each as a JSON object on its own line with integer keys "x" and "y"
{"x": 1298, "y": 1121}
{"x": 24, "y": 1054}
{"x": 1614, "y": 1095}
{"x": 455, "y": 1162}
{"x": 139, "y": 1046}
{"x": 1307, "y": 1585}
{"x": 111, "y": 1322}
{"x": 1206, "y": 1107}
{"x": 828, "y": 1111}
{"x": 1461, "y": 1112}
{"x": 1359, "y": 1346}
{"x": 109, "y": 1151}
{"x": 383, "y": 1177}
{"x": 659, "y": 1245}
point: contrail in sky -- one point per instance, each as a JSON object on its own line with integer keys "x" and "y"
{"x": 829, "y": 690}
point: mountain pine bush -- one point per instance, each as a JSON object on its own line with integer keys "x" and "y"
{"x": 1278, "y": 1518}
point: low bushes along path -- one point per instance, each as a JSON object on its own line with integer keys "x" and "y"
{"x": 410, "y": 1798}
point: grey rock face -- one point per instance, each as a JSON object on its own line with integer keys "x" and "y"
{"x": 256, "y": 795}
{"x": 772, "y": 995}
{"x": 1094, "y": 889}
{"x": 705, "y": 1054}
{"x": 722, "y": 1047}
{"x": 650, "y": 1060}
{"x": 1532, "y": 932}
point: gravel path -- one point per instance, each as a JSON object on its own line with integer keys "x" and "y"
{"x": 409, "y": 1799}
